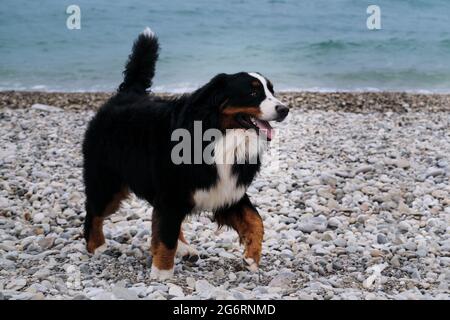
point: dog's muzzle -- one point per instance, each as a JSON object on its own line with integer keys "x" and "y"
{"x": 282, "y": 112}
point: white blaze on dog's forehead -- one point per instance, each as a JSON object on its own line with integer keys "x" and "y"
{"x": 263, "y": 81}
{"x": 269, "y": 104}
{"x": 148, "y": 32}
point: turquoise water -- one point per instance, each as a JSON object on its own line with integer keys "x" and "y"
{"x": 308, "y": 45}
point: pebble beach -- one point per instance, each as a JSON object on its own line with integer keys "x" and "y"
{"x": 358, "y": 207}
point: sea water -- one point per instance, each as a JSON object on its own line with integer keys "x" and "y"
{"x": 317, "y": 45}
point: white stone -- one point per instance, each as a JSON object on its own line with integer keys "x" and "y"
{"x": 44, "y": 107}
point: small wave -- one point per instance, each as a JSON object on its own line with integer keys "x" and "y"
{"x": 362, "y": 89}
{"x": 445, "y": 43}
{"x": 334, "y": 45}
{"x": 392, "y": 44}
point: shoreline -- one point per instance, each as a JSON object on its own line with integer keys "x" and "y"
{"x": 364, "y": 102}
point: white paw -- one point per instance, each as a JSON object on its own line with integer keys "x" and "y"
{"x": 187, "y": 252}
{"x": 160, "y": 275}
{"x": 100, "y": 249}
{"x": 250, "y": 264}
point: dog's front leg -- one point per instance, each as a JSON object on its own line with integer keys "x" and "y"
{"x": 245, "y": 219}
{"x": 165, "y": 232}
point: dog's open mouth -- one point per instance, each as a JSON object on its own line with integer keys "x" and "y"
{"x": 249, "y": 122}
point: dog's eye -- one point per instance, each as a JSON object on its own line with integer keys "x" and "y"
{"x": 254, "y": 93}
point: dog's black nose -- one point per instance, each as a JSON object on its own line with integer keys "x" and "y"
{"x": 282, "y": 112}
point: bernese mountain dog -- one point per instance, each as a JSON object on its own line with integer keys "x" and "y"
{"x": 128, "y": 147}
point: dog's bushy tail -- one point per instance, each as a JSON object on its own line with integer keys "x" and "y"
{"x": 140, "y": 67}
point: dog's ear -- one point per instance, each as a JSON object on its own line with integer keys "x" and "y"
{"x": 213, "y": 93}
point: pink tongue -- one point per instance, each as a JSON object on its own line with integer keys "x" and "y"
{"x": 265, "y": 127}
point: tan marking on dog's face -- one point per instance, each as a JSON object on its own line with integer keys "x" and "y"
{"x": 229, "y": 113}
{"x": 253, "y": 111}
{"x": 256, "y": 84}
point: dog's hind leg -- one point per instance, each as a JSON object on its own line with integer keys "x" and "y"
{"x": 185, "y": 250}
{"x": 245, "y": 219}
{"x": 101, "y": 201}
{"x": 94, "y": 224}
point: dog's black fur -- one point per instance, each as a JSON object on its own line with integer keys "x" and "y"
{"x": 128, "y": 143}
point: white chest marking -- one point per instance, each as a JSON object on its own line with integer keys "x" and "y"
{"x": 237, "y": 146}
